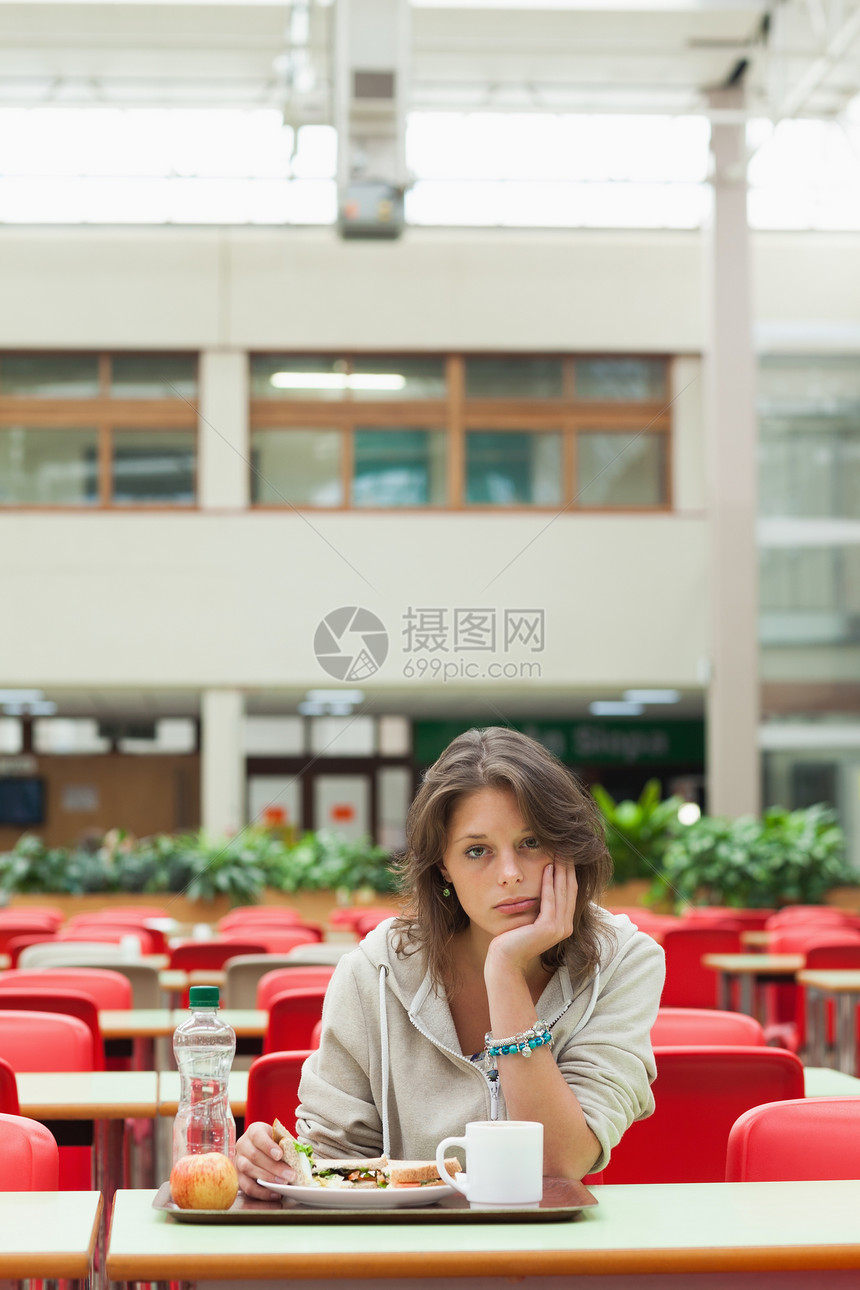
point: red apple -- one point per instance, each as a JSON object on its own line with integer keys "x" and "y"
{"x": 205, "y": 1181}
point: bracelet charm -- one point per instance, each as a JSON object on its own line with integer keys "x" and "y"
{"x": 524, "y": 1043}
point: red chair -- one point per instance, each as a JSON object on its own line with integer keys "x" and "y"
{"x": 19, "y": 943}
{"x": 752, "y": 920}
{"x": 72, "y": 1003}
{"x": 39, "y": 1041}
{"x": 194, "y": 956}
{"x": 709, "y": 1026}
{"x": 108, "y": 989}
{"x": 807, "y": 1138}
{"x": 277, "y": 940}
{"x": 273, "y": 1087}
{"x": 699, "y": 1093}
{"x": 243, "y": 915}
{"x": 54, "y": 913}
{"x": 292, "y": 1017}
{"x": 8, "y": 1089}
{"x": 110, "y": 934}
{"x": 11, "y": 928}
{"x": 368, "y": 922}
{"x": 153, "y": 940}
{"x": 793, "y": 914}
{"x": 316, "y": 1034}
{"x": 348, "y": 916}
{"x": 29, "y": 1156}
{"x": 291, "y": 978}
{"x": 688, "y": 983}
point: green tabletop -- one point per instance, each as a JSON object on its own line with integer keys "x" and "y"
{"x": 48, "y": 1234}
{"x": 689, "y": 1228}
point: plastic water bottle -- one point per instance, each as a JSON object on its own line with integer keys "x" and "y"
{"x": 204, "y": 1046}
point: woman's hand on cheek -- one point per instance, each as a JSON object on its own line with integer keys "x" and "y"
{"x": 554, "y": 921}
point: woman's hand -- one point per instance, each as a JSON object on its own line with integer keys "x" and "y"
{"x": 519, "y": 947}
{"x": 259, "y": 1156}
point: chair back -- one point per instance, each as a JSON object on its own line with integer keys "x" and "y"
{"x": 290, "y": 978}
{"x": 752, "y": 920}
{"x": 8, "y": 1089}
{"x": 694, "y": 1026}
{"x": 699, "y": 1093}
{"x": 72, "y": 1003}
{"x": 192, "y": 956}
{"x": 152, "y": 939}
{"x": 54, "y": 913}
{"x": 108, "y": 989}
{"x": 793, "y": 914}
{"x": 347, "y": 917}
{"x": 805, "y": 1138}
{"x": 29, "y": 1156}
{"x": 69, "y": 953}
{"x": 275, "y": 939}
{"x": 242, "y": 975}
{"x": 797, "y": 939}
{"x": 273, "y": 1087}
{"x": 688, "y": 983}
{"x": 274, "y": 915}
{"x": 138, "y": 937}
{"x": 292, "y": 1017}
{"x": 12, "y": 928}
{"x": 38, "y": 1041}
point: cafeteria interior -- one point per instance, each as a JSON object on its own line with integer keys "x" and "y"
{"x": 373, "y": 371}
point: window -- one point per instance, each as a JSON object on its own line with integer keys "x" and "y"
{"x": 98, "y": 430}
{"x": 422, "y": 431}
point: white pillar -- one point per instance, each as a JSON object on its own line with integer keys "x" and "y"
{"x": 733, "y": 761}
{"x": 223, "y": 435}
{"x": 222, "y": 761}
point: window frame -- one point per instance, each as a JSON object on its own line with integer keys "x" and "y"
{"x": 456, "y": 414}
{"x": 105, "y": 413}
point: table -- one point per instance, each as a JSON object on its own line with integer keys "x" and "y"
{"x": 49, "y": 1234}
{"x": 824, "y": 1081}
{"x": 751, "y": 971}
{"x": 681, "y": 1229}
{"x": 843, "y": 987}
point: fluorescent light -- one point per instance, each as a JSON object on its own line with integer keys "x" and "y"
{"x": 689, "y": 812}
{"x": 21, "y": 696}
{"x": 615, "y": 708}
{"x": 337, "y": 381}
{"x": 44, "y": 708}
{"x": 652, "y": 696}
{"x": 335, "y": 696}
{"x": 312, "y": 709}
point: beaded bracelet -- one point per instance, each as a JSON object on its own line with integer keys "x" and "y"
{"x": 525, "y": 1042}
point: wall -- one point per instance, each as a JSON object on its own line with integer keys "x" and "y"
{"x": 146, "y": 794}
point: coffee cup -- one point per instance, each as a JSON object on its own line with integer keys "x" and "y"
{"x": 504, "y": 1162}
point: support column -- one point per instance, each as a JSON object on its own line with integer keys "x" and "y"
{"x": 223, "y": 431}
{"x": 733, "y": 761}
{"x": 222, "y": 761}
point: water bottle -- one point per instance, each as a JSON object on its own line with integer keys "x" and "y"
{"x": 204, "y": 1046}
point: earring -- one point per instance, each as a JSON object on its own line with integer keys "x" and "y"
{"x": 446, "y": 892}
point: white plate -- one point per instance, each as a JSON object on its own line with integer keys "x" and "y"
{"x": 360, "y": 1197}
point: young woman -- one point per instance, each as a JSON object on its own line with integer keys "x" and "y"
{"x": 504, "y": 990}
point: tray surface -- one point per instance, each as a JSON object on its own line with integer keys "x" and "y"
{"x": 562, "y": 1199}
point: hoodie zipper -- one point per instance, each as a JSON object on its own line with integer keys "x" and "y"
{"x": 491, "y": 1077}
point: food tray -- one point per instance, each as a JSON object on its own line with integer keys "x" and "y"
{"x": 562, "y": 1200}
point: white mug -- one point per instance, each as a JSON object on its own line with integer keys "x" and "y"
{"x": 504, "y": 1162}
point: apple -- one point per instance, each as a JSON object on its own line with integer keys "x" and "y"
{"x": 205, "y": 1181}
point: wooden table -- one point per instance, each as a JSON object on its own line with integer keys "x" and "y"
{"x": 843, "y": 988}
{"x": 49, "y": 1234}
{"x": 751, "y": 971}
{"x": 809, "y": 1229}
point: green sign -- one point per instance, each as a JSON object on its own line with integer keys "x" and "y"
{"x": 604, "y": 742}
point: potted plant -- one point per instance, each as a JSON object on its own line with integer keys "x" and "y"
{"x": 637, "y": 835}
{"x": 783, "y": 858}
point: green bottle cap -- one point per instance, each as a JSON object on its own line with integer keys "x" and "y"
{"x": 204, "y": 996}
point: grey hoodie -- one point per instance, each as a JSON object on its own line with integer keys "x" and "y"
{"x": 382, "y": 1013}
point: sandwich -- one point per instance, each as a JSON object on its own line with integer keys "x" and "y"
{"x": 362, "y": 1172}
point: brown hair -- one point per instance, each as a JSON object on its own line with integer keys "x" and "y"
{"x": 562, "y": 814}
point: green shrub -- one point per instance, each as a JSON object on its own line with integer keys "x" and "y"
{"x": 638, "y": 833}
{"x": 784, "y": 858}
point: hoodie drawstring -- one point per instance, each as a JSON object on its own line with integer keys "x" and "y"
{"x": 383, "y": 1043}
